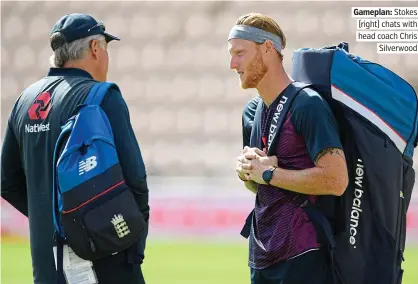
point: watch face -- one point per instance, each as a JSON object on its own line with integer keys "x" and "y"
{"x": 267, "y": 176}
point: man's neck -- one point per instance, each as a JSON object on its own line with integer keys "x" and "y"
{"x": 272, "y": 84}
{"x": 80, "y": 65}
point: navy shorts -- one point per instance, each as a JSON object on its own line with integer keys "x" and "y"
{"x": 312, "y": 267}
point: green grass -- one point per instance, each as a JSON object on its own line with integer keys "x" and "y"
{"x": 175, "y": 263}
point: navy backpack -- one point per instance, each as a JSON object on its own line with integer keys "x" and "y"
{"x": 377, "y": 115}
{"x": 94, "y": 211}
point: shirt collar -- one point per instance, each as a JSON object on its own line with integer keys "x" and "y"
{"x": 73, "y": 72}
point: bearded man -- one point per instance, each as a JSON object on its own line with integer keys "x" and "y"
{"x": 307, "y": 160}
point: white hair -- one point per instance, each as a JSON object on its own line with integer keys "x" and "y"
{"x": 74, "y": 50}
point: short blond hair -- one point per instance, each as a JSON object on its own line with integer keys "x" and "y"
{"x": 265, "y": 23}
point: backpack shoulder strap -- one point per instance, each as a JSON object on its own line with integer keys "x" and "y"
{"x": 97, "y": 93}
{"x": 280, "y": 113}
{"x": 255, "y": 138}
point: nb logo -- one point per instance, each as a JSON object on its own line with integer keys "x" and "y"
{"x": 87, "y": 165}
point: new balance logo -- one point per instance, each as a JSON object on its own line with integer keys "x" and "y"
{"x": 87, "y": 165}
{"x": 273, "y": 126}
{"x": 120, "y": 226}
{"x": 356, "y": 207}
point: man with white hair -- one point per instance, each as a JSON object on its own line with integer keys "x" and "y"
{"x": 79, "y": 61}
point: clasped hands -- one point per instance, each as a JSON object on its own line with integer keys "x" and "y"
{"x": 252, "y": 163}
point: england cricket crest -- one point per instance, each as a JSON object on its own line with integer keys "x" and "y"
{"x": 120, "y": 225}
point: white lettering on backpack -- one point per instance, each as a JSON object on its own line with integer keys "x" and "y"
{"x": 356, "y": 207}
{"x": 87, "y": 165}
{"x": 276, "y": 116}
{"x": 120, "y": 225}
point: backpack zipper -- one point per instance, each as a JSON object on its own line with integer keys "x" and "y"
{"x": 93, "y": 198}
{"x": 91, "y": 243}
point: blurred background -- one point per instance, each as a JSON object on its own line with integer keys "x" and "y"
{"x": 172, "y": 66}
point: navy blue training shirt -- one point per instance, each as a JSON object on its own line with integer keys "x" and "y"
{"x": 26, "y": 170}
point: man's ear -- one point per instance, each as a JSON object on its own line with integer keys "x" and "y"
{"x": 94, "y": 47}
{"x": 268, "y": 46}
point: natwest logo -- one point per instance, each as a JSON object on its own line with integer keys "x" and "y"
{"x": 36, "y": 128}
{"x": 39, "y": 111}
{"x": 41, "y": 107}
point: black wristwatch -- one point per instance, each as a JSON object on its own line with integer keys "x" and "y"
{"x": 268, "y": 174}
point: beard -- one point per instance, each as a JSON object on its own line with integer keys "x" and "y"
{"x": 255, "y": 72}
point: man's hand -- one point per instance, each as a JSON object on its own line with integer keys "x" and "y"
{"x": 247, "y": 154}
{"x": 254, "y": 162}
